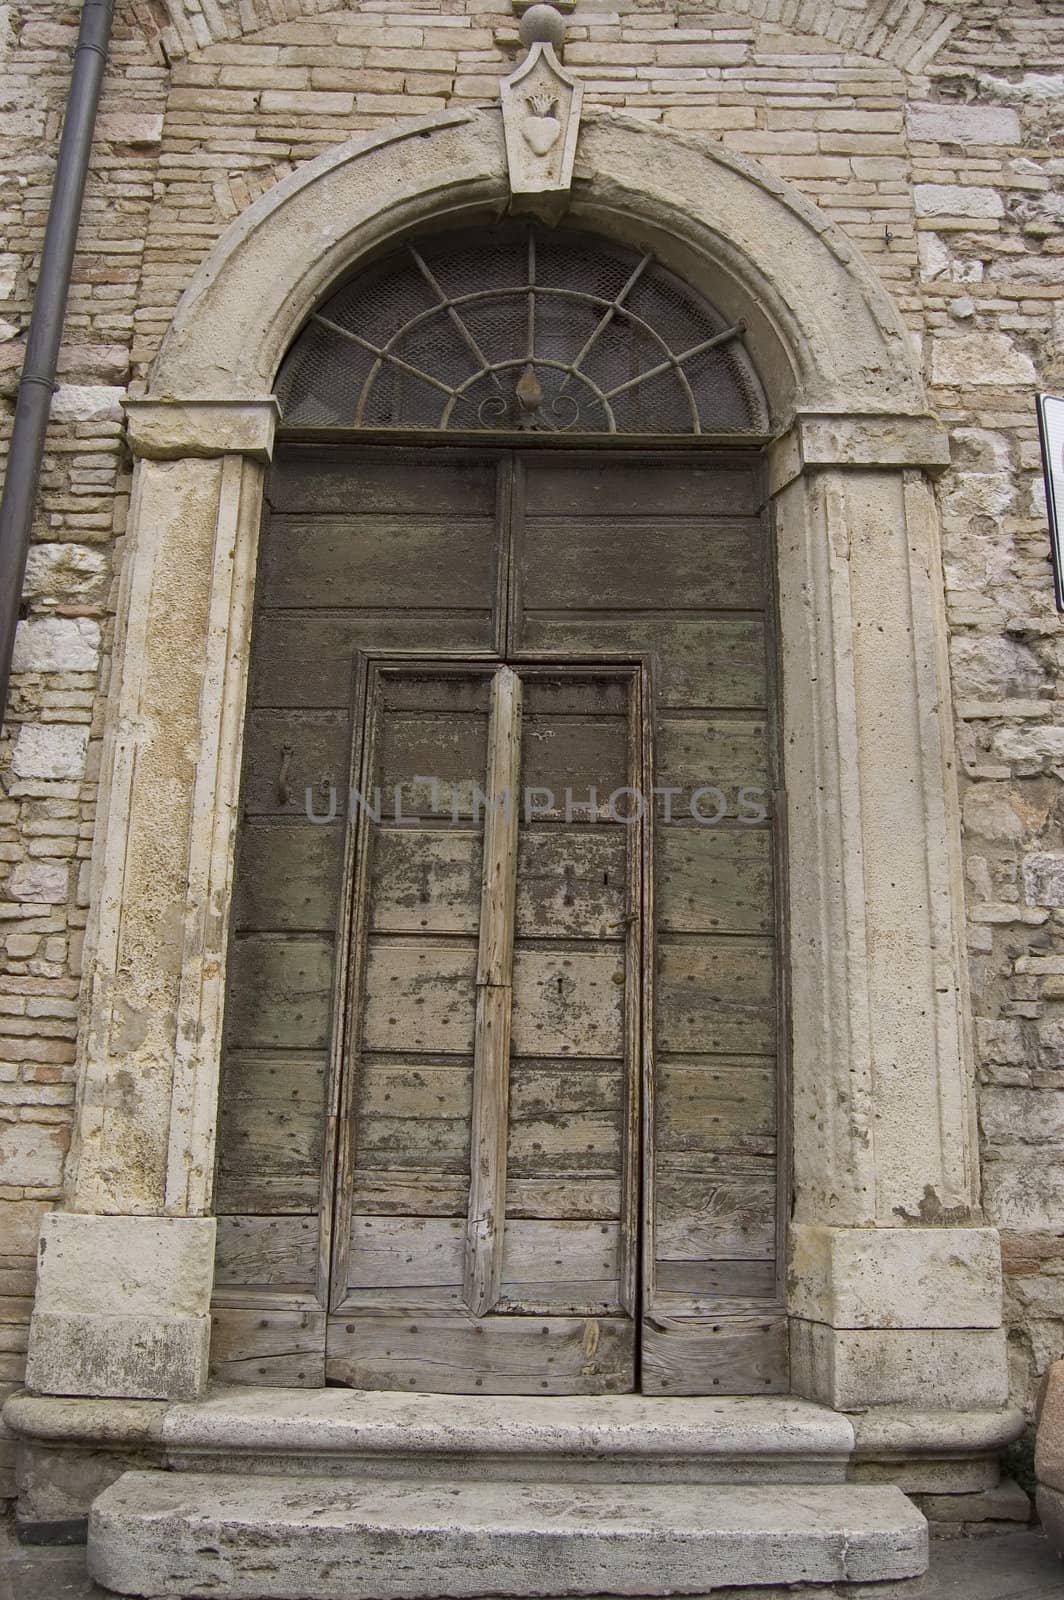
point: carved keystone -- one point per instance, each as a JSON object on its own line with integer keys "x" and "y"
{"x": 541, "y": 117}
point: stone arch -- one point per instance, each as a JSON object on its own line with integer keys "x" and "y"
{"x": 824, "y": 334}
{"x": 909, "y": 38}
{"x": 885, "y": 1177}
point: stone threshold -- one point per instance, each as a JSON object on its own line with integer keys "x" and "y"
{"x": 749, "y": 1438}
{"x": 237, "y": 1415}
{"x": 271, "y": 1538}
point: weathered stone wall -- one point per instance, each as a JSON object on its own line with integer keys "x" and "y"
{"x": 931, "y": 133}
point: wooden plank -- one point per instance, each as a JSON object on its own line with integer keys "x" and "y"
{"x": 491, "y": 1059}
{"x": 424, "y": 561}
{"x": 439, "y": 687}
{"x": 588, "y": 1144}
{"x": 280, "y": 993}
{"x": 571, "y": 882}
{"x": 700, "y": 662}
{"x": 726, "y": 1355}
{"x": 707, "y": 1103}
{"x": 285, "y": 1348}
{"x": 574, "y": 754}
{"x": 387, "y": 479}
{"x": 428, "y": 1144}
{"x": 415, "y": 1087}
{"x": 726, "y": 757}
{"x": 453, "y": 747}
{"x": 568, "y": 1001}
{"x": 305, "y": 658}
{"x": 289, "y": 752}
{"x": 634, "y": 564}
{"x": 458, "y": 1354}
{"x": 567, "y": 691}
{"x": 425, "y": 881}
{"x": 288, "y": 877}
{"x": 271, "y": 1119}
{"x": 275, "y": 1252}
{"x": 715, "y": 880}
{"x": 397, "y": 1192}
{"x": 547, "y": 1261}
{"x": 714, "y": 1217}
{"x": 716, "y": 995}
{"x": 407, "y": 1253}
{"x": 542, "y": 1260}
{"x": 639, "y": 485}
{"x": 688, "y": 1285}
{"x": 419, "y": 996}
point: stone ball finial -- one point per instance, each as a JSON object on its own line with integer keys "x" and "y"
{"x": 541, "y": 24}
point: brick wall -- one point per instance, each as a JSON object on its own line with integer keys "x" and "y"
{"x": 933, "y": 135}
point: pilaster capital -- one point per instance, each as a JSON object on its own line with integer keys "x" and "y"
{"x": 167, "y": 430}
{"x": 827, "y": 439}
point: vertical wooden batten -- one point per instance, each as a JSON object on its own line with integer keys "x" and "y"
{"x": 491, "y": 1059}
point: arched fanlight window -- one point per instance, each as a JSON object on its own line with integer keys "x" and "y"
{"x": 521, "y": 327}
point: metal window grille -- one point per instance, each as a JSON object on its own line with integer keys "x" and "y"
{"x": 521, "y": 328}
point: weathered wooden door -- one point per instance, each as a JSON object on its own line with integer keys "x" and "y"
{"x": 488, "y": 1189}
{"x": 500, "y": 1087}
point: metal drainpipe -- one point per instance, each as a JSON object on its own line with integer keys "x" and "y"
{"x": 37, "y": 382}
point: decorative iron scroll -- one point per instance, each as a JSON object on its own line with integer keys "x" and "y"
{"x": 521, "y": 328}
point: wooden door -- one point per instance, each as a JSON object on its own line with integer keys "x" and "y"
{"x": 404, "y": 1201}
{"x": 486, "y": 1225}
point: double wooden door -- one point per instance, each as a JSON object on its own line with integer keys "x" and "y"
{"x": 500, "y": 1090}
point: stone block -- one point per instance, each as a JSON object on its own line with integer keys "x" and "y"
{"x": 961, "y": 124}
{"x": 929, "y": 1368}
{"x": 140, "y": 128}
{"x": 306, "y": 102}
{"x": 122, "y": 1306}
{"x": 56, "y": 644}
{"x": 52, "y": 750}
{"x": 396, "y": 1540}
{"x": 9, "y": 265}
{"x": 990, "y": 667}
{"x": 67, "y": 573}
{"x": 140, "y": 1357}
{"x": 991, "y": 812}
{"x": 125, "y": 1265}
{"x": 896, "y": 1277}
{"x": 1043, "y": 878}
{"x": 32, "y": 1153}
{"x": 20, "y": 1226}
{"x": 87, "y": 402}
{"x": 980, "y": 358}
{"x": 1006, "y": 1502}
{"x": 957, "y": 200}
{"x": 42, "y": 882}
{"x": 57, "y": 1484}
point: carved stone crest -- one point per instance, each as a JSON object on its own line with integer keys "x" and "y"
{"x": 541, "y": 118}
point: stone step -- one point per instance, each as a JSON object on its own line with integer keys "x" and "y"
{"x": 605, "y": 1438}
{"x": 272, "y": 1538}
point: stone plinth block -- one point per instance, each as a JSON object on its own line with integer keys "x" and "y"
{"x": 896, "y": 1277}
{"x": 854, "y": 1368}
{"x": 1050, "y": 1503}
{"x": 1049, "y": 1451}
{"x": 122, "y": 1306}
{"x": 249, "y": 1536}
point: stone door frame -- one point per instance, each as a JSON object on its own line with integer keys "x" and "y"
{"x": 894, "y": 1286}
